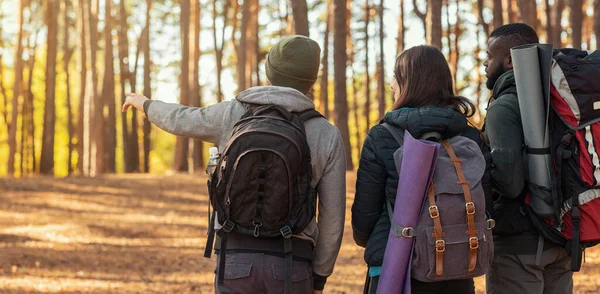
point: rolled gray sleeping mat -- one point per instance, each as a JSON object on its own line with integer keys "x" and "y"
{"x": 531, "y": 64}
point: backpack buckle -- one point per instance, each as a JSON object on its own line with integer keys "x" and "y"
{"x": 228, "y": 226}
{"x": 434, "y": 212}
{"x": 473, "y": 243}
{"x": 406, "y": 232}
{"x": 286, "y": 232}
{"x": 470, "y": 206}
{"x": 440, "y": 246}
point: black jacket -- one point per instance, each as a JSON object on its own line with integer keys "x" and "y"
{"x": 377, "y": 175}
{"x": 514, "y": 233}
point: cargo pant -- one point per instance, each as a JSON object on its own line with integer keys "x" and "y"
{"x": 249, "y": 273}
{"x": 547, "y": 272}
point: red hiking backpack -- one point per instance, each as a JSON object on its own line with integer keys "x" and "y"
{"x": 575, "y": 147}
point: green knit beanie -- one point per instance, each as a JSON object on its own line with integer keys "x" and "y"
{"x": 294, "y": 62}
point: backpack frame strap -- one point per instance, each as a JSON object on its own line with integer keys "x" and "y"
{"x": 469, "y": 206}
{"x": 438, "y": 232}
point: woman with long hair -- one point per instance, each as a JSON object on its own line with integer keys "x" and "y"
{"x": 425, "y": 102}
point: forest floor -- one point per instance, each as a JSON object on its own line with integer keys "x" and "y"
{"x": 137, "y": 234}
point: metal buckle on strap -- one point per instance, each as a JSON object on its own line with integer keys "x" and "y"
{"x": 228, "y": 226}
{"x": 470, "y": 207}
{"x": 440, "y": 246}
{"x": 473, "y": 243}
{"x": 286, "y": 232}
{"x": 434, "y": 212}
{"x": 491, "y": 223}
{"x": 406, "y": 232}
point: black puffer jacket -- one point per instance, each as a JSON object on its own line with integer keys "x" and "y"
{"x": 377, "y": 175}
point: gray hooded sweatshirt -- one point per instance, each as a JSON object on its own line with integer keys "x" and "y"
{"x": 215, "y": 123}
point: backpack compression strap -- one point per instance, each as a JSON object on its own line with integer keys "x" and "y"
{"x": 469, "y": 205}
{"x": 438, "y": 232}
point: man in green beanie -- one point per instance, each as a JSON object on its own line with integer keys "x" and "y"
{"x": 292, "y": 67}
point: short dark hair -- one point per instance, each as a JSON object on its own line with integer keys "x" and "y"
{"x": 516, "y": 34}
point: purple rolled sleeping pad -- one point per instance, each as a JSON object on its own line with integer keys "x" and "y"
{"x": 417, "y": 159}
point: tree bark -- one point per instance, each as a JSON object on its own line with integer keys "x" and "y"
{"x": 339, "y": 60}
{"x": 401, "y": 30}
{"x": 421, "y": 15}
{"x": 434, "y": 23}
{"x": 381, "y": 76}
{"x": 597, "y": 23}
{"x": 455, "y": 59}
{"x": 198, "y": 160}
{"x": 96, "y": 106}
{"x": 82, "y": 136}
{"x": 576, "y": 22}
{"x": 557, "y": 29}
{"x": 324, "y": 81}
{"x": 300, "y": 13}
{"x": 12, "y": 133}
{"x": 47, "y": 159}
{"x": 147, "y": 85}
{"x": 219, "y": 49}
{"x": 108, "y": 93}
{"x": 181, "y": 147}
{"x": 67, "y": 53}
{"x": 498, "y": 13}
{"x": 485, "y": 25}
{"x": 367, "y": 107}
{"x": 243, "y": 47}
{"x": 528, "y": 12}
{"x": 124, "y": 79}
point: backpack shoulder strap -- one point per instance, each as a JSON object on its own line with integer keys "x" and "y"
{"x": 309, "y": 114}
{"x": 395, "y": 132}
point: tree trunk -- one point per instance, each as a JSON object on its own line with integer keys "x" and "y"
{"x": 498, "y": 13}
{"x": 12, "y": 133}
{"x": 324, "y": 87}
{"x": 4, "y": 95}
{"x": 181, "y": 147}
{"x": 251, "y": 43}
{"x": 147, "y": 85}
{"x": 196, "y": 100}
{"x": 528, "y": 12}
{"x": 485, "y": 25}
{"x": 401, "y": 30}
{"x": 67, "y": 53}
{"x": 557, "y": 29}
{"x": 456, "y": 52}
{"x": 96, "y": 106}
{"x": 300, "y": 13}
{"x": 47, "y": 159}
{"x": 124, "y": 79}
{"x": 434, "y": 23}
{"x": 27, "y": 118}
{"x": 576, "y": 22}
{"x": 219, "y": 49}
{"x": 421, "y": 15}
{"x": 367, "y": 108}
{"x": 548, "y": 11}
{"x": 510, "y": 11}
{"x": 339, "y": 61}
{"x": 381, "y": 76}
{"x": 243, "y": 47}
{"x": 108, "y": 93}
{"x": 81, "y": 135}
{"x": 597, "y": 23}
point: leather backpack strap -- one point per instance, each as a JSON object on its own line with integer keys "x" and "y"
{"x": 438, "y": 232}
{"x": 469, "y": 205}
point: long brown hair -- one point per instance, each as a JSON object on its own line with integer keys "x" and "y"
{"x": 424, "y": 78}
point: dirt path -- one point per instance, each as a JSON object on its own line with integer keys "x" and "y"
{"x": 135, "y": 234}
